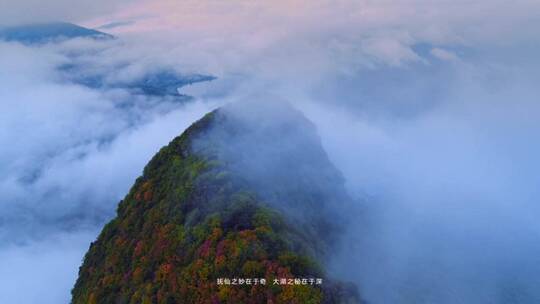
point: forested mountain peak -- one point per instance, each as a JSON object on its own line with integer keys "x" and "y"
{"x": 246, "y": 194}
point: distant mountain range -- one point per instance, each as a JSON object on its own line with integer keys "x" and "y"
{"x": 45, "y": 32}
{"x": 162, "y": 82}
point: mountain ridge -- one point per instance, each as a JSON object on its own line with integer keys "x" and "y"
{"x": 37, "y": 33}
{"x": 192, "y": 219}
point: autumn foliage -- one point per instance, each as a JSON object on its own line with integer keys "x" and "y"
{"x": 185, "y": 224}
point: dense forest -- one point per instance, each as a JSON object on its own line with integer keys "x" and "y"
{"x": 238, "y": 209}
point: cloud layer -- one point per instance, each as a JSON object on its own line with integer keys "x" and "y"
{"x": 70, "y": 153}
{"x": 429, "y": 109}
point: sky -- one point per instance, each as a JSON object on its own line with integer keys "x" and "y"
{"x": 429, "y": 108}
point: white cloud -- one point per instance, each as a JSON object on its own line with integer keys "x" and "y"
{"x": 42, "y": 271}
{"x": 61, "y": 140}
{"x": 443, "y": 54}
{"x": 69, "y": 154}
